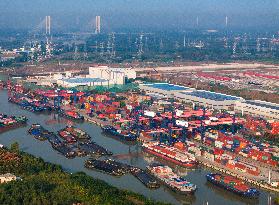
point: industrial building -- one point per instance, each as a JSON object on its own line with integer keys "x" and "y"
{"x": 213, "y": 100}
{"x": 189, "y": 95}
{"x": 258, "y": 108}
{"x": 99, "y": 76}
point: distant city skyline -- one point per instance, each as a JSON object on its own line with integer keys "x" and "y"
{"x": 141, "y": 14}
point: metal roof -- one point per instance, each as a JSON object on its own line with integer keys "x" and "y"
{"x": 167, "y": 87}
{"x": 262, "y": 104}
{"x": 84, "y": 80}
{"x": 211, "y": 95}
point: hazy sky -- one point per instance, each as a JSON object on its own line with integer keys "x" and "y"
{"x": 141, "y": 14}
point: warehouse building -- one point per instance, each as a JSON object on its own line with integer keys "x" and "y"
{"x": 164, "y": 89}
{"x": 258, "y": 108}
{"x": 213, "y": 100}
{"x": 209, "y": 99}
{"x": 189, "y": 95}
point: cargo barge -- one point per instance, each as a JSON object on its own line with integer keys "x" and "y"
{"x": 92, "y": 149}
{"x": 232, "y": 184}
{"x": 10, "y": 122}
{"x": 121, "y": 134}
{"x": 171, "y": 154}
{"x": 65, "y": 150}
{"x": 172, "y": 180}
{"x": 77, "y": 133}
{"x": 144, "y": 177}
{"x": 39, "y": 132}
{"x": 108, "y": 166}
{"x": 65, "y": 135}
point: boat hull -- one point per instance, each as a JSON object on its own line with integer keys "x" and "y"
{"x": 231, "y": 189}
{"x": 187, "y": 165}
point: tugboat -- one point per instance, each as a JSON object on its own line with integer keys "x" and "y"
{"x": 73, "y": 115}
{"x": 232, "y": 184}
{"x": 172, "y": 180}
{"x": 122, "y": 134}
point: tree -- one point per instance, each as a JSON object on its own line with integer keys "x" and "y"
{"x": 15, "y": 147}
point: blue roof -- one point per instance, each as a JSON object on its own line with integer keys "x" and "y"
{"x": 167, "y": 87}
{"x": 84, "y": 80}
{"x": 211, "y": 95}
{"x": 262, "y": 104}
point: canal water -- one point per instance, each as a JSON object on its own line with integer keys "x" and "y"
{"x": 128, "y": 153}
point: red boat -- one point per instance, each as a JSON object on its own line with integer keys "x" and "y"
{"x": 172, "y": 154}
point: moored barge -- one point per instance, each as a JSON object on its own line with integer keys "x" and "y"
{"x": 171, "y": 180}
{"x": 121, "y": 134}
{"x": 10, "y": 122}
{"x": 232, "y": 184}
{"x": 108, "y": 166}
{"x": 77, "y": 133}
{"x": 170, "y": 153}
{"x": 144, "y": 177}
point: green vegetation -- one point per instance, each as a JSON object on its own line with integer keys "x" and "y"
{"x": 46, "y": 183}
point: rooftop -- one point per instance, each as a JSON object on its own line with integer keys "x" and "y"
{"x": 211, "y": 95}
{"x": 84, "y": 80}
{"x": 167, "y": 87}
{"x": 263, "y": 104}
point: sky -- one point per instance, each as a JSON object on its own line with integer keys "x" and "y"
{"x": 140, "y": 14}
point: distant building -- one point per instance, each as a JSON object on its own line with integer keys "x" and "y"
{"x": 98, "y": 25}
{"x": 99, "y": 76}
{"x": 105, "y": 71}
{"x": 4, "y": 178}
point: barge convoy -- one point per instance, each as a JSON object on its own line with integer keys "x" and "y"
{"x": 69, "y": 146}
{"x": 232, "y": 184}
{"x": 115, "y": 168}
{"x": 172, "y": 180}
